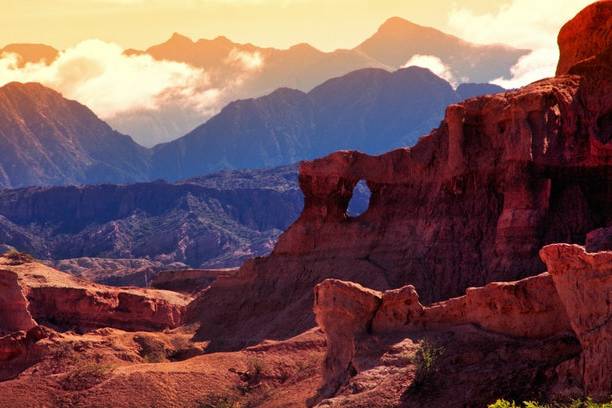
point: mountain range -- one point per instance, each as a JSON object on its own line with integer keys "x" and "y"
{"x": 114, "y": 234}
{"x": 49, "y": 140}
{"x": 241, "y": 71}
{"x": 217, "y": 220}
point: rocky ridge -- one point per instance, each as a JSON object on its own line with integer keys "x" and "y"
{"x": 545, "y": 306}
{"x": 37, "y": 294}
{"x": 471, "y": 203}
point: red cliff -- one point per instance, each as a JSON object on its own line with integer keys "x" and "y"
{"x": 37, "y": 294}
{"x": 574, "y": 297}
{"x": 471, "y": 203}
{"x": 594, "y": 24}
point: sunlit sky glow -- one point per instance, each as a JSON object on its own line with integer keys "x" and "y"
{"x": 326, "y": 24}
{"x": 93, "y": 33}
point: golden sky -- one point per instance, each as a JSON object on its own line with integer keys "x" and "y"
{"x": 93, "y": 69}
{"x": 326, "y": 24}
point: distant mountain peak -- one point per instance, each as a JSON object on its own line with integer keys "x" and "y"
{"x": 179, "y": 38}
{"x": 303, "y": 47}
{"x": 394, "y": 22}
{"x": 395, "y": 26}
{"x": 223, "y": 39}
{"x": 28, "y": 87}
{"x": 33, "y": 53}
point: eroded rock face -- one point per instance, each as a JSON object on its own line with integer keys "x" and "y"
{"x": 14, "y": 313}
{"x": 471, "y": 203}
{"x": 54, "y": 298}
{"x": 574, "y": 297}
{"x": 593, "y": 23}
{"x": 189, "y": 280}
{"x": 599, "y": 240}
{"x": 584, "y": 283}
{"x": 344, "y": 310}
{"x": 529, "y": 308}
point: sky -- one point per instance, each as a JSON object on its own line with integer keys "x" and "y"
{"x": 326, "y": 24}
{"x": 93, "y": 33}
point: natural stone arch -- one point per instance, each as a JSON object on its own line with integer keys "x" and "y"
{"x": 360, "y": 199}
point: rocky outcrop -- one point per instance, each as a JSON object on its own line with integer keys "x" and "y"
{"x": 574, "y": 296}
{"x": 471, "y": 203}
{"x": 190, "y": 280}
{"x": 14, "y": 313}
{"x": 18, "y": 342}
{"x": 599, "y": 240}
{"x": 528, "y": 308}
{"x": 57, "y": 299}
{"x": 344, "y": 310}
{"x": 584, "y": 283}
{"x": 594, "y": 24}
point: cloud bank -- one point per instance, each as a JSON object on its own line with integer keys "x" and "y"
{"x": 434, "y": 64}
{"x": 523, "y": 24}
{"x": 99, "y": 75}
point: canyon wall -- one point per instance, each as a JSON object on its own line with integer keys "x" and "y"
{"x": 36, "y": 294}
{"x": 574, "y": 297}
{"x": 471, "y": 203}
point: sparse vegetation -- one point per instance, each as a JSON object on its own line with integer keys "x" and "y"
{"x": 588, "y": 403}
{"x": 251, "y": 378}
{"x": 18, "y": 258}
{"x": 86, "y": 376}
{"x": 152, "y": 350}
{"x": 426, "y": 361}
{"x": 255, "y": 369}
{"x": 218, "y": 401}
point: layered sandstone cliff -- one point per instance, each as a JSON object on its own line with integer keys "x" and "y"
{"x": 32, "y": 293}
{"x": 584, "y": 284}
{"x": 471, "y": 203}
{"x": 574, "y": 298}
{"x": 593, "y": 24}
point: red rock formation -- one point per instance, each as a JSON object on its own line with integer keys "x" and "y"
{"x": 575, "y": 296}
{"x": 593, "y": 23}
{"x": 471, "y": 203}
{"x": 18, "y": 342}
{"x": 584, "y": 283}
{"x": 599, "y": 240}
{"x": 14, "y": 314}
{"x": 528, "y": 308}
{"x": 44, "y": 295}
{"x": 189, "y": 280}
{"x": 344, "y": 310}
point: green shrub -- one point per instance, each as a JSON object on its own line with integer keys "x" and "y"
{"x": 18, "y": 258}
{"x": 426, "y": 361}
{"x": 86, "y": 377}
{"x": 588, "y": 403}
{"x": 218, "y": 401}
{"x": 152, "y": 350}
{"x": 255, "y": 369}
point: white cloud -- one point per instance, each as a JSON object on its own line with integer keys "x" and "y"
{"x": 434, "y": 64}
{"x": 523, "y": 24}
{"x": 247, "y": 60}
{"x": 530, "y": 68}
{"x": 100, "y": 76}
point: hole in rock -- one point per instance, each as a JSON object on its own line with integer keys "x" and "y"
{"x": 360, "y": 200}
{"x": 604, "y": 124}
